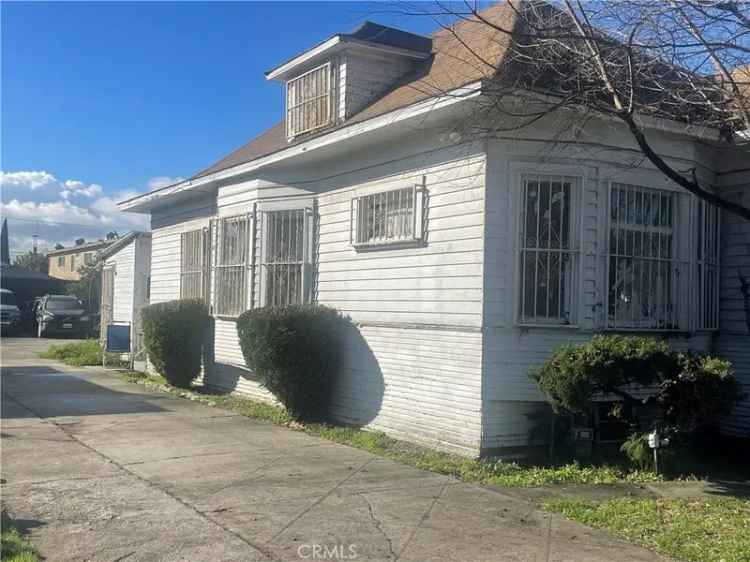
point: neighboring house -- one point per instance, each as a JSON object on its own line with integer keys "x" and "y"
{"x": 462, "y": 264}
{"x": 65, "y": 262}
{"x": 125, "y": 270}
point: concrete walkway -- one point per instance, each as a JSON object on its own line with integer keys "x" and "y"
{"x": 101, "y": 470}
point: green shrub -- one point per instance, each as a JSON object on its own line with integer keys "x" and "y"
{"x": 295, "y": 351}
{"x": 637, "y": 450}
{"x": 603, "y": 364}
{"x": 174, "y": 334}
{"x": 77, "y": 354}
{"x": 703, "y": 390}
{"x": 691, "y": 392}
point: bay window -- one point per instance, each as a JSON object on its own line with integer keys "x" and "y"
{"x": 548, "y": 250}
{"x": 284, "y": 257}
{"x": 194, "y": 264}
{"x": 232, "y": 263}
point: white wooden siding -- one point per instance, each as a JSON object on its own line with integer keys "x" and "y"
{"x": 509, "y": 351}
{"x": 733, "y": 341}
{"x": 366, "y": 77}
{"x": 124, "y": 263}
{"x": 423, "y": 392}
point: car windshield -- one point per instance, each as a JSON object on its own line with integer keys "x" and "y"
{"x": 7, "y": 298}
{"x": 63, "y": 304}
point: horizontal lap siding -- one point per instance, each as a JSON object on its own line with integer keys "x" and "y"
{"x": 124, "y": 262}
{"x": 422, "y": 385}
{"x": 733, "y": 341}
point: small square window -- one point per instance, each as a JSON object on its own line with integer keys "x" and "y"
{"x": 387, "y": 217}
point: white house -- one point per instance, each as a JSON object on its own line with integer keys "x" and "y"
{"x": 462, "y": 263}
{"x": 125, "y": 270}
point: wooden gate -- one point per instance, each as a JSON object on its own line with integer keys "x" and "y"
{"x": 108, "y": 301}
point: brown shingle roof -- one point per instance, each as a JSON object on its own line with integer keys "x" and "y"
{"x": 469, "y": 51}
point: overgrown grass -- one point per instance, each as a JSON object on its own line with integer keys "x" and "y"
{"x": 14, "y": 547}
{"x": 77, "y": 354}
{"x": 696, "y": 530}
{"x": 485, "y": 471}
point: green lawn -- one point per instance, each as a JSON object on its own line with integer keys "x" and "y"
{"x": 14, "y": 546}
{"x": 486, "y": 471}
{"x": 695, "y": 530}
{"x": 77, "y": 354}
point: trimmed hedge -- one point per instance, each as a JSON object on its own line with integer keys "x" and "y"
{"x": 295, "y": 351}
{"x": 174, "y": 334}
{"x": 691, "y": 391}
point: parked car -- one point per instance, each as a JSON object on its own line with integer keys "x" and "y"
{"x": 62, "y": 314}
{"x": 10, "y": 315}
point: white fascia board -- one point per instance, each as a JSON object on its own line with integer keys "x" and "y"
{"x": 280, "y": 71}
{"x": 459, "y": 95}
{"x": 333, "y": 45}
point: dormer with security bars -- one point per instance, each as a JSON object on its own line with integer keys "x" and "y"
{"x": 338, "y": 78}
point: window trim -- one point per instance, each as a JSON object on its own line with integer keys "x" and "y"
{"x": 419, "y": 201}
{"x": 579, "y": 175}
{"x": 307, "y": 208}
{"x": 216, "y": 265}
{"x": 205, "y": 270}
{"x": 330, "y": 95}
{"x": 683, "y": 239}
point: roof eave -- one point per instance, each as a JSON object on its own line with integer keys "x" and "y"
{"x": 335, "y": 44}
{"x": 144, "y": 203}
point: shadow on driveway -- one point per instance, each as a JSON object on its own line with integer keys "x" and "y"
{"x": 49, "y": 392}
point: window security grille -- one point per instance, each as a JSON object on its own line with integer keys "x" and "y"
{"x": 308, "y": 101}
{"x": 231, "y": 288}
{"x": 387, "y": 217}
{"x": 645, "y": 275}
{"x": 88, "y": 258}
{"x": 548, "y": 256}
{"x": 61, "y": 261}
{"x": 284, "y": 257}
{"x": 707, "y": 267}
{"x": 195, "y": 249}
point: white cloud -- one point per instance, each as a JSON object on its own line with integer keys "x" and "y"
{"x": 30, "y": 180}
{"x": 37, "y": 203}
{"x": 162, "y": 181}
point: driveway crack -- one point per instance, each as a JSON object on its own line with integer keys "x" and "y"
{"x": 379, "y": 526}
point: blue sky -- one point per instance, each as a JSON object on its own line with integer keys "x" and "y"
{"x": 104, "y": 100}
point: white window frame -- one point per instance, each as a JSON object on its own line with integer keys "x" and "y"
{"x": 202, "y": 248}
{"x": 266, "y": 210}
{"x": 707, "y": 266}
{"x": 577, "y": 179}
{"x": 299, "y": 106}
{"x": 679, "y": 264}
{"x": 357, "y": 227}
{"x": 243, "y": 265}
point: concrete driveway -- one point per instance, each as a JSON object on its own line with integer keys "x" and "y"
{"x": 101, "y": 470}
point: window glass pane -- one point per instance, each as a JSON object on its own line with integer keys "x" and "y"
{"x": 231, "y": 268}
{"x": 643, "y": 271}
{"x": 309, "y": 101}
{"x": 284, "y": 257}
{"x": 547, "y": 256}
{"x": 386, "y": 217}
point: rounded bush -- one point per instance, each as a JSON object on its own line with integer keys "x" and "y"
{"x": 174, "y": 334}
{"x": 295, "y": 352}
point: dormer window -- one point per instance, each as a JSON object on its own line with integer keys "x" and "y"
{"x": 308, "y": 101}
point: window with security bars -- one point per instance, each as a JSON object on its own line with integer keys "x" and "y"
{"x": 707, "y": 267}
{"x": 387, "y": 217}
{"x": 308, "y": 101}
{"x": 194, "y": 264}
{"x": 644, "y": 268}
{"x": 284, "y": 257}
{"x": 548, "y": 252}
{"x": 233, "y": 250}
